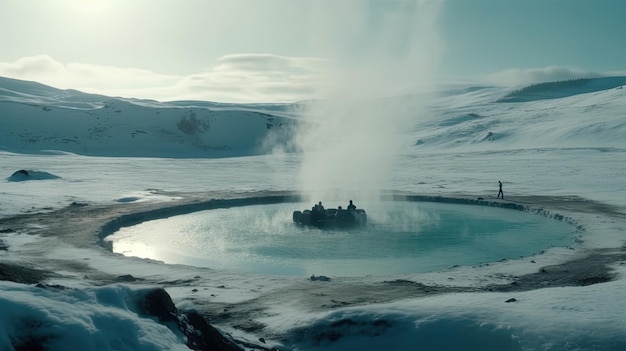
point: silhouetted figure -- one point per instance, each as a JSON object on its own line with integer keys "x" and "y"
{"x": 351, "y": 206}
{"x": 500, "y": 193}
{"x": 315, "y": 213}
{"x": 341, "y": 213}
{"x": 318, "y": 212}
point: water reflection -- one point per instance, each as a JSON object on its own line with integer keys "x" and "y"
{"x": 401, "y": 237}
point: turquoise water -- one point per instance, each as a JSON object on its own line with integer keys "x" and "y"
{"x": 401, "y": 237}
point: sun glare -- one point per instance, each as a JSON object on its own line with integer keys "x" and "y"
{"x": 91, "y": 6}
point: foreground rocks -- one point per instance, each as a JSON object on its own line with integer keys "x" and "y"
{"x": 24, "y": 275}
{"x": 200, "y": 334}
{"x": 155, "y": 304}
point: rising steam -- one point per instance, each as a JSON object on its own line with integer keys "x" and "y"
{"x": 383, "y": 53}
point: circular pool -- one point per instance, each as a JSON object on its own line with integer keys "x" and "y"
{"x": 400, "y": 237}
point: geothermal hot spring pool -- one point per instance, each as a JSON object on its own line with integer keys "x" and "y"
{"x": 400, "y": 237}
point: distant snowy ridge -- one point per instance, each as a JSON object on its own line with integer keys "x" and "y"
{"x": 572, "y": 114}
{"x": 35, "y": 117}
{"x": 555, "y": 90}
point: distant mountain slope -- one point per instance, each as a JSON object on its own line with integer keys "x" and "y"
{"x": 471, "y": 120}
{"x": 35, "y": 117}
{"x": 555, "y": 90}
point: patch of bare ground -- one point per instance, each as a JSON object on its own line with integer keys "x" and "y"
{"x": 592, "y": 269}
{"x": 21, "y": 274}
{"x": 574, "y": 204}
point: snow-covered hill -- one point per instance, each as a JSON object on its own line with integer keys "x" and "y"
{"x": 569, "y": 115}
{"x": 36, "y": 118}
{"x": 555, "y": 90}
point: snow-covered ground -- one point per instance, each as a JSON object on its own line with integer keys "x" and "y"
{"x": 92, "y": 159}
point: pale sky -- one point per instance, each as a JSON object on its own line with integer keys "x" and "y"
{"x": 284, "y": 50}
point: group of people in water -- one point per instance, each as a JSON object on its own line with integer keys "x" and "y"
{"x": 319, "y": 212}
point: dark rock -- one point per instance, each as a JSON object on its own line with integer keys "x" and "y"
{"x": 24, "y": 175}
{"x": 320, "y": 278}
{"x": 126, "y": 278}
{"x": 24, "y": 275}
{"x": 158, "y": 303}
{"x": 203, "y": 336}
{"x": 200, "y": 334}
{"x": 511, "y": 300}
{"x": 51, "y": 286}
{"x": 79, "y": 204}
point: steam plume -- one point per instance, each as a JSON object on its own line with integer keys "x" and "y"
{"x": 383, "y": 54}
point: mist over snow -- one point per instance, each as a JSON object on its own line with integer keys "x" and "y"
{"x": 89, "y": 160}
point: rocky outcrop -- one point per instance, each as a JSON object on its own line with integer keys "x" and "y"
{"x": 200, "y": 334}
{"x": 23, "y": 174}
{"x": 20, "y": 274}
